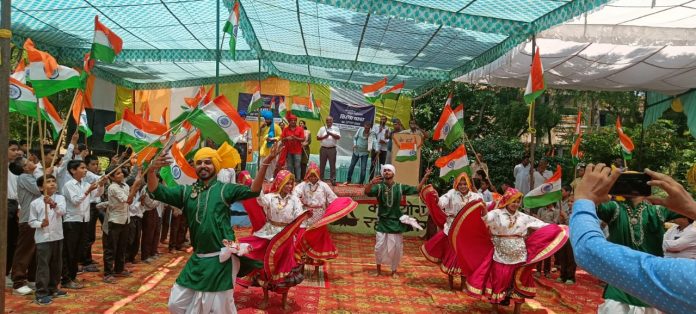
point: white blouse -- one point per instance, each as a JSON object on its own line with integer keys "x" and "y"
{"x": 508, "y": 232}
{"x": 279, "y": 212}
{"x": 452, "y": 202}
{"x": 315, "y": 197}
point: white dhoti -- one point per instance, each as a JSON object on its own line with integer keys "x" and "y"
{"x": 613, "y": 306}
{"x": 184, "y": 300}
{"x": 389, "y": 248}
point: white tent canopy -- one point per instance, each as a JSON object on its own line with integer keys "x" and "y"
{"x": 625, "y": 45}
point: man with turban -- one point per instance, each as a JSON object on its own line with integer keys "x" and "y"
{"x": 205, "y": 285}
{"x": 269, "y": 133}
{"x": 389, "y": 245}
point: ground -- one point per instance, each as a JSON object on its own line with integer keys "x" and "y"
{"x": 345, "y": 287}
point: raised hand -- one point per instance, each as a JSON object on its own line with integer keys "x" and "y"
{"x": 677, "y": 200}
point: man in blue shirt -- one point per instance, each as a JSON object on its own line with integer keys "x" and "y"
{"x": 661, "y": 282}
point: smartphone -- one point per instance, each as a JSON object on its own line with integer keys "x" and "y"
{"x": 632, "y": 184}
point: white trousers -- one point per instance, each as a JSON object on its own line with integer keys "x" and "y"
{"x": 389, "y": 248}
{"x": 183, "y": 300}
{"x": 616, "y": 307}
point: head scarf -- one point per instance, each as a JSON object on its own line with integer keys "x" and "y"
{"x": 268, "y": 115}
{"x": 459, "y": 179}
{"x": 388, "y": 167}
{"x": 312, "y": 169}
{"x": 224, "y": 157}
{"x": 244, "y": 178}
{"x": 511, "y": 194}
{"x": 281, "y": 179}
{"x": 289, "y": 116}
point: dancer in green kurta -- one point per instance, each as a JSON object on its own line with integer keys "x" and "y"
{"x": 637, "y": 224}
{"x": 391, "y": 222}
{"x": 205, "y": 285}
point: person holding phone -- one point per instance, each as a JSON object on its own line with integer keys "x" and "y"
{"x": 632, "y": 265}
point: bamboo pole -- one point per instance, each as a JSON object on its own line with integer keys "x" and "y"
{"x": 62, "y": 132}
{"x": 43, "y": 156}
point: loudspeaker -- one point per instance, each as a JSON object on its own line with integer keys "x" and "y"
{"x": 97, "y": 120}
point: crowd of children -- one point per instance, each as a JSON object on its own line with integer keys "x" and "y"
{"x": 53, "y": 214}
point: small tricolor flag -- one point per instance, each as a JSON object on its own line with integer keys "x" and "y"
{"x": 22, "y": 98}
{"x": 134, "y": 131}
{"x": 454, "y": 164}
{"x": 625, "y": 141}
{"x": 179, "y": 172}
{"x": 232, "y": 27}
{"x": 281, "y": 106}
{"x": 459, "y": 113}
{"x": 578, "y": 124}
{"x": 394, "y": 92}
{"x": 20, "y": 72}
{"x": 547, "y": 193}
{"x": 535, "y": 84}
{"x": 219, "y": 121}
{"x": 192, "y": 142}
{"x": 256, "y": 101}
{"x": 79, "y": 114}
{"x": 448, "y": 128}
{"x": 575, "y": 151}
{"x": 407, "y": 152}
{"x": 106, "y": 44}
{"x": 374, "y": 92}
{"x": 46, "y": 76}
{"x": 49, "y": 113}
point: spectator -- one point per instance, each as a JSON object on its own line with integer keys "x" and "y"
{"x": 579, "y": 172}
{"x": 92, "y": 176}
{"x": 269, "y": 133}
{"x": 680, "y": 240}
{"x": 120, "y": 196}
{"x": 328, "y": 136}
{"x": 379, "y": 147}
{"x": 541, "y": 174}
{"x": 12, "y": 207}
{"x": 45, "y": 216}
{"x": 521, "y": 174}
{"x": 292, "y": 138}
{"x": 243, "y": 144}
{"x": 305, "y": 147}
{"x": 362, "y": 141}
{"x": 480, "y": 168}
{"x": 24, "y": 263}
{"x": 549, "y": 215}
{"x": 565, "y": 257}
{"x": 660, "y": 282}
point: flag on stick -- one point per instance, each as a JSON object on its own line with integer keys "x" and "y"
{"x": 535, "y": 84}
{"x": 231, "y": 27}
{"x": 79, "y": 114}
{"x": 106, "y": 44}
{"x": 625, "y": 141}
{"x": 219, "y": 121}
{"x": 256, "y": 101}
{"x": 547, "y": 193}
{"x": 447, "y": 127}
{"x": 374, "y": 92}
{"x": 179, "y": 172}
{"x": 394, "y": 92}
{"x": 454, "y": 164}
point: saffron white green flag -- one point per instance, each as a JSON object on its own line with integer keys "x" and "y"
{"x": 407, "y": 152}
{"x": 547, "y": 193}
{"x": 22, "y": 98}
{"x": 373, "y": 92}
{"x": 232, "y": 27}
{"x": 61, "y": 79}
{"x": 134, "y": 131}
{"x": 219, "y": 121}
{"x": 454, "y": 164}
{"x": 106, "y": 44}
{"x": 256, "y": 101}
{"x": 179, "y": 172}
{"x": 448, "y": 128}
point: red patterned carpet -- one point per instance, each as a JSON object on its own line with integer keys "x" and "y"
{"x": 345, "y": 286}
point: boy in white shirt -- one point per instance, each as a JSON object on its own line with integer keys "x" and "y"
{"x": 45, "y": 216}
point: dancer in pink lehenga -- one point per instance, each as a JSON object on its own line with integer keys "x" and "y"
{"x": 496, "y": 245}
{"x": 274, "y": 241}
{"x": 438, "y": 249}
{"x": 314, "y": 245}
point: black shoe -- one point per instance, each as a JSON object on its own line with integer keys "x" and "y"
{"x": 60, "y": 294}
{"x": 45, "y": 300}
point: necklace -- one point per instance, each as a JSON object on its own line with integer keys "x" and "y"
{"x": 199, "y": 187}
{"x": 198, "y": 203}
{"x": 282, "y": 202}
{"x": 636, "y": 220}
{"x": 313, "y": 188}
{"x": 389, "y": 198}
{"x": 513, "y": 219}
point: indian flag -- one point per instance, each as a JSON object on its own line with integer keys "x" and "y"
{"x": 545, "y": 194}
{"x": 22, "y": 98}
{"x": 49, "y": 113}
{"x": 34, "y": 55}
{"x": 134, "y": 131}
{"x": 394, "y": 92}
{"x": 459, "y": 113}
{"x": 179, "y": 172}
{"x": 219, "y": 121}
{"x": 20, "y": 72}
{"x": 625, "y": 141}
{"x": 535, "y": 84}
{"x": 374, "y": 92}
{"x": 575, "y": 151}
{"x": 407, "y": 152}
{"x": 232, "y": 26}
{"x": 79, "y": 114}
{"x": 106, "y": 44}
{"x": 192, "y": 142}
{"x": 578, "y": 124}
{"x": 282, "y": 106}
{"x": 304, "y": 108}
{"x": 256, "y": 101}
{"x": 447, "y": 127}
{"x": 61, "y": 79}
{"x": 454, "y": 164}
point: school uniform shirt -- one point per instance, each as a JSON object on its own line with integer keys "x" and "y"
{"x": 11, "y": 186}
{"x": 135, "y": 209}
{"x": 91, "y": 177}
{"x": 37, "y": 214}
{"x": 680, "y": 243}
{"x": 548, "y": 215}
{"x": 118, "y": 208}
{"x": 61, "y": 171}
{"x": 27, "y": 191}
{"x": 540, "y": 178}
{"x": 77, "y": 209}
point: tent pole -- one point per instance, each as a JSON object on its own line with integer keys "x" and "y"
{"x": 217, "y": 49}
{"x": 5, "y": 35}
{"x": 532, "y": 131}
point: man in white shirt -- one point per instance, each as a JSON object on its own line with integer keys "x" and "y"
{"x": 243, "y": 143}
{"x": 328, "y": 136}
{"x": 541, "y": 174}
{"x": 12, "y": 205}
{"x": 521, "y": 174}
{"x": 379, "y": 147}
{"x": 680, "y": 240}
